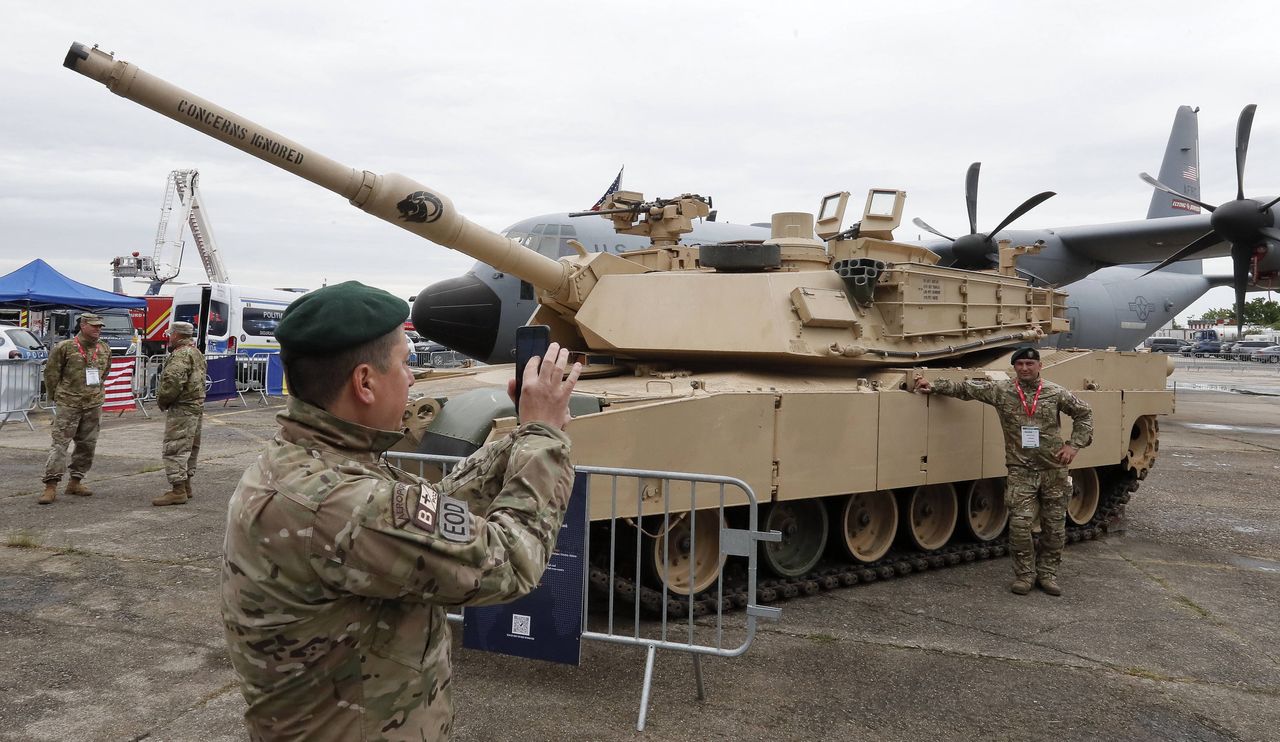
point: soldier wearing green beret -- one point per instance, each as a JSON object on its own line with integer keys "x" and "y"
{"x": 73, "y": 377}
{"x": 1035, "y": 455}
{"x": 181, "y": 396}
{"x": 337, "y": 567}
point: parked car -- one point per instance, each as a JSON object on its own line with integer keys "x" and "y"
{"x": 1269, "y": 354}
{"x": 1202, "y": 348}
{"x": 1243, "y": 350}
{"x": 421, "y": 345}
{"x": 17, "y": 343}
{"x": 1164, "y": 345}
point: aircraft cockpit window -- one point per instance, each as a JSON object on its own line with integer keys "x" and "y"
{"x": 567, "y": 232}
{"x": 545, "y": 239}
{"x": 524, "y": 238}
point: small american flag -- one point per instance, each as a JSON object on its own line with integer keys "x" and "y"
{"x": 1191, "y": 172}
{"x": 119, "y": 385}
{"x": 612, "y": 189}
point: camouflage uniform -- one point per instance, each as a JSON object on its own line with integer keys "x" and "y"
{"x": 181, "y": 396}
{"x": 1037, "y": 485}
{"x": 337, "y": 569}
{"x": 79, "y": 406}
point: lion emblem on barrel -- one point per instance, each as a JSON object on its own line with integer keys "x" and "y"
{"x": 421, "y": 207}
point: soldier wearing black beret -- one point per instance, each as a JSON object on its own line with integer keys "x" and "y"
{"x": 1038, "y": 485}
{"x": 337, "y": 567}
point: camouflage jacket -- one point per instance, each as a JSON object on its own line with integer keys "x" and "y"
{"x": 182, "y": 381}
{"x": 337, "y": 568}
{"x": 64, "y": 372}
{"x": 1054, "y": 401}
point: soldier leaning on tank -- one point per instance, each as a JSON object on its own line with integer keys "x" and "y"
{"x": 1036, "y": 458}
{"x": 73, "y": 379}
{"x": 181, "y": 396}
{"x": 337, "y": 567}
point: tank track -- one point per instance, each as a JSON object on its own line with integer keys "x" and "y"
{"x": 1117, "y": 483}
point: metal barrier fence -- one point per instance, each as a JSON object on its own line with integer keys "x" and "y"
{"x": 662, "y": 499}
{"x": 20, "y": 383}
{"x": 445, "y": 359}
{"x": 252, "y": 375}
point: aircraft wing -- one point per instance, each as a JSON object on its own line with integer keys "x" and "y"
{"x": 1141, "y": 241}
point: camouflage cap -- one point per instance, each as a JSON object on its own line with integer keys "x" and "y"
{"x": 182, "y": 329}
{"x": 1025, "y": 352}
{"x": 339, "y": 317}
{"x": 89, "y": 318}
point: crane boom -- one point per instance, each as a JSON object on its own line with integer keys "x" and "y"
{"x": 182, "y": 189}
{"x": 201, "y": 231}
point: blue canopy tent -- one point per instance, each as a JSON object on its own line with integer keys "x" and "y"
{"x": 37, "y": 286}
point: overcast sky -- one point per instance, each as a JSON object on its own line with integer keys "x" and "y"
{"x": 520, "y": 108}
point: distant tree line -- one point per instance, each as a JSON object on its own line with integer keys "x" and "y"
{"x": 1258, "y": 312}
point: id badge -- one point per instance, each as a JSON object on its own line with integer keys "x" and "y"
{"x": 91, "y": 377}
{"x": 1030, "y": 436}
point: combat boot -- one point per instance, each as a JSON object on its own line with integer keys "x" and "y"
{"x": 74, "y": 487}
{"x": 174, "y": 496}
{"x": 50, "y": 493}
{"x": 1020, "y": 586}
{"x": 1050, "y": 586}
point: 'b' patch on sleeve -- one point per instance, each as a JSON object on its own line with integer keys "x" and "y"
{"x": 423, "y": 513}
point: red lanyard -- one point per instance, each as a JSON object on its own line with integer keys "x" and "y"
{"x": 1031, "y": 411}
{"x": 84, "y": 355}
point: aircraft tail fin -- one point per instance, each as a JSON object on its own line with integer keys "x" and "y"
{"x": 1181, "y": 167}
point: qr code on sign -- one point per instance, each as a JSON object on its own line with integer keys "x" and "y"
{"x": 519, "y": 624}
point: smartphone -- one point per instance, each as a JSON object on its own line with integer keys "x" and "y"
{"x": 532, "y": 341}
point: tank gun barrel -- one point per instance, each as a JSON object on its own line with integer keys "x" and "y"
{"x": 391, "y": 197}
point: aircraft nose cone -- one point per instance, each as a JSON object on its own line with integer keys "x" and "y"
{"x": 460, "y": 313}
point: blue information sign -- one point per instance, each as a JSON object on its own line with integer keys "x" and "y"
{"x": 546, "y": 624}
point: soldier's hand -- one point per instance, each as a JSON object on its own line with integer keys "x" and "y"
{"x": 921, "y": 384}
{"x": 1067, "y": 453}
{"x": 545, "y": 396}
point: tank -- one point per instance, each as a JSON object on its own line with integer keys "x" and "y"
{"x": 783, "y": 363}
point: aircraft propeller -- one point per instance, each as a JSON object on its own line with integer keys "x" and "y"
{"x": 1244, "y": 223}
{"x": 977, "y": 250}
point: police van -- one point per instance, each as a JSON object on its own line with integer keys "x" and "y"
{"x": 230, "y": 318}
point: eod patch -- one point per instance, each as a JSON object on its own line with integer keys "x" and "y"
{"x": 434, "y": 512}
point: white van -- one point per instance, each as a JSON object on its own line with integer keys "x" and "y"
{"x": 230, "y": 318}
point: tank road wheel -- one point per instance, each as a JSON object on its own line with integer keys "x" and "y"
{"x": 931, "y": 515}
{"x": 867, "y": 524}
{"x": 1144, "y": 444}
{"x": 693, "y": 560}
{"x": 803, "y": 524}
{"x": 984, "y": 513}
{"x": 1084, "y": 496}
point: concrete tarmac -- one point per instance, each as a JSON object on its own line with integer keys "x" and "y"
{"x": 109, "y": 624}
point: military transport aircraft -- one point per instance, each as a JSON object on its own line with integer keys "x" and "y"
{"x": 1245, "y": 229}
{"x": 477, "y": 313}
